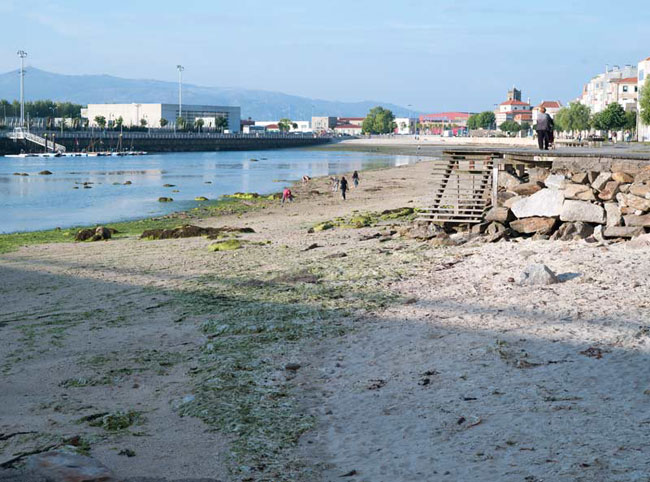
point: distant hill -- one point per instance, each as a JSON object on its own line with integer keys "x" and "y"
{"x": 258, "y": 104}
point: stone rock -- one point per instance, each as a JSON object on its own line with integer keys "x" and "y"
{"x": 622, "y": 231}
{"x": 191, "y": 231}
{"x": 632, "y": 201}
{"x": 643, "y": 176}
{"x": 508, "y": 180}
{"x": 422, "y": 231}
{"x": 634, "y": 220}
{"x": 101, "y": 233}
{"x": 45, "y": 173}
{"x": 538, "y": 174}
{"x": 165, "y": 199}
{"x": 503, "y": 196}
{"x": 555, "y": 181}
{"x": 613, "y": 214}
{"x": 581, "y": 192}
{"x": 292, "y": 366}
{"x": 527, "y": 189}
{"x": 601, "y": 180}
{"x": 201, "y": 198}
{"x": 537, "y": 275}
{"x": 609, "y": 191}
{"x": 60, "y": 466}
{"x": 591, "y": 176}
{"x": 625, "y": 188}
{"x": 127, "y": 183}
{"x": 582, "y": 211}
{"x": 573, "y": 231}
{"x": 580, "y": 178}
{"x": 641, "y": 189}
{"x": 84, "y": 234}
{"x": 533, "y": 225}
{"x": 642, "y": 241}
{"x": 545, "y": 203}
{"x": 509, "y": 202}
{"x": 499, "y": 214}
{"x": 622, "y": 177}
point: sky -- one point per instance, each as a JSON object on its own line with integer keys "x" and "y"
{"x": 433, "y": 55}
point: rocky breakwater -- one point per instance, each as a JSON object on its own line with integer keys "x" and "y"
{"x": 565, "y": 205}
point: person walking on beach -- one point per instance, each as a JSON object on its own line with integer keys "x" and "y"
{"x": 355, "y": 179}
{"x": 286, "y": 195}
{"x": 544, "y": 129}
{"x": 335, "y": 183}
{"x": 343, "y": 185}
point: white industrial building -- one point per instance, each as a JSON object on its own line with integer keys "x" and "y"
{"x": 133, "y": 114}
{"x": 300, "y": 126}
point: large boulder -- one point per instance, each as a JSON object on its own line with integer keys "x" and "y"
{"x": 533, "y": 225}
{"x": 609, "y": 191}
{"x": 573, "y": 231}
{"x": 613, "y": 214}
{"x": 101, "y": 233}
{"x": 622, "y": 231}
{"x": 641, "y": 189}
{"x": 499, "y": 214}
{"x": 640, "y": 242}
{"x": 581, "y": 192}
{"x": 538, "y": 174}
{"x": 545, "y": 203}
{"x": 601, "y": 180}
{"x": 84, "y": 234}
{"x": 555, "y": 181}
{"x": 508, "y": 181}
{"x": 537, "y": 274}
{"x": 527, "y": 189}
{"x": 632, "y": 201}
{"x": 582, "y": 211}
{"x": 634, "y": 220}
{"x": 59, "y": 466}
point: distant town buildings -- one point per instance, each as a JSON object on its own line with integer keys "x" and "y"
{"x": 444, "y": 121}
{"x": 323, "y": 124}
{"x": 406, "y": 125}
{"x": 273, "y": 126}
{"x": 152, "y": 114}
{"x": 614, "y": 85}
{"x": 514, "y": 109}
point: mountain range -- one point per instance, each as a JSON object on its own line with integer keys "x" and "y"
{"x": 257, "y": 104}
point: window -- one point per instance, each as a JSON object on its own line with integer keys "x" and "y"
{"x": 625, "y": 88}
{"x": 640, "y": 75}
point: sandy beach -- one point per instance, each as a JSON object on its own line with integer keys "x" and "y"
{"x": 348, "y": 353}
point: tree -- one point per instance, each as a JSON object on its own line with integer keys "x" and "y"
{"x": 143, "y": 122}
{"x": 379, "y": 121}
{"x": 198, "y": 123}
{"x": 525, "y": 126}
{"x": 163, "y": 122}
{"x": 510, "y": 126}
{"x": 575, "y": 117}
{"x": 472, "y": 122}
{"x": 644, "y": 102}
{"x": 630, "y": 121}
{"x": 486, "y": 119}
{"x": 284, "y": 125}
{"x": 100, "y": 120}
{"x": 612, "y": 118}
{"x": 221, "y": 123}
{"x": 180, "y": 123}
{"x": 118, "y": 122}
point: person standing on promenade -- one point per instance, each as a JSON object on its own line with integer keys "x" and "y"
{"x": 355, "y": 179}
{"x": 343, "y": 186}
{"x": 544, "y": 129}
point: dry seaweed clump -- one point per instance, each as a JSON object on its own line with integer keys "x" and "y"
{"x": 189, "y": 231}
{"x": 227, "y": 245}
{"x": 365, "y": 220}
{"x": 114, "y": 422}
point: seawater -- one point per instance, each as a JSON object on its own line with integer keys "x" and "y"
{"x": 35, "y": 202}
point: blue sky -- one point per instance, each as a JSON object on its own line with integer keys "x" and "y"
{"x": 434, "y": 55}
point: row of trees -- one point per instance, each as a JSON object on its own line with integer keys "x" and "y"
{"x": 41, "y": 108}
{"x": 221, "y": 123}
{"x": 578, "y": 117}
{"x": 482, "y": 120}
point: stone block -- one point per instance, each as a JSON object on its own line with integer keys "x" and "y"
{"x": 613, "y": 214}
{"x": 555, "y": 181}
{"x": 622, "y": 177}
{"x": 634, "y": 202}
{"x": 499, "y": 214}
{"x": 537, "y": 274}
{"x": 609, "y": 191}
{"x": 635, "y": 220}
{"x": 580, "y": 178}
{"x": 641, "y": 189}
{"x": 538, "y": 174}
{"x": 622, "y": 231}
{"x": 533, "y": 225}
{"x": 527, "y": 188}
{"x": 508, "y": 180}
{"x": 573, "y": 231}
{"x": 582, "y": 211}
{"x": 581, "y": 192}
{"x": 545, "y": 203}
{"x": 601, "y": 180}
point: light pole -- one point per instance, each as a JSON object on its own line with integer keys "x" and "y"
{"x": 180, "y": 89}
{"x": 22, "y": 54}
{"x": 137, "y": 115}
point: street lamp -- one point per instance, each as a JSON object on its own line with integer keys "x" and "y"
{"x": 180, "y": 89}
{"x": 22, "y": 54}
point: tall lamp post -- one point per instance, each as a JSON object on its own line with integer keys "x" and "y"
{"x": 22, "y": 54}
{"x": 180, "y": 89}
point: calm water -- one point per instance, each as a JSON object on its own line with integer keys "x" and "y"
{"x": 34, "y": 202}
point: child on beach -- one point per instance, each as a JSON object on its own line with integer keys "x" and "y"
{"x": 286, "y": 195}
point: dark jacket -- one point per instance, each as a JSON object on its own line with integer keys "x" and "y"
{"x": 544, "y": 122}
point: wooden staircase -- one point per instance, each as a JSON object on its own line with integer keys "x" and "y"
{"x": 462, "y": 184}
